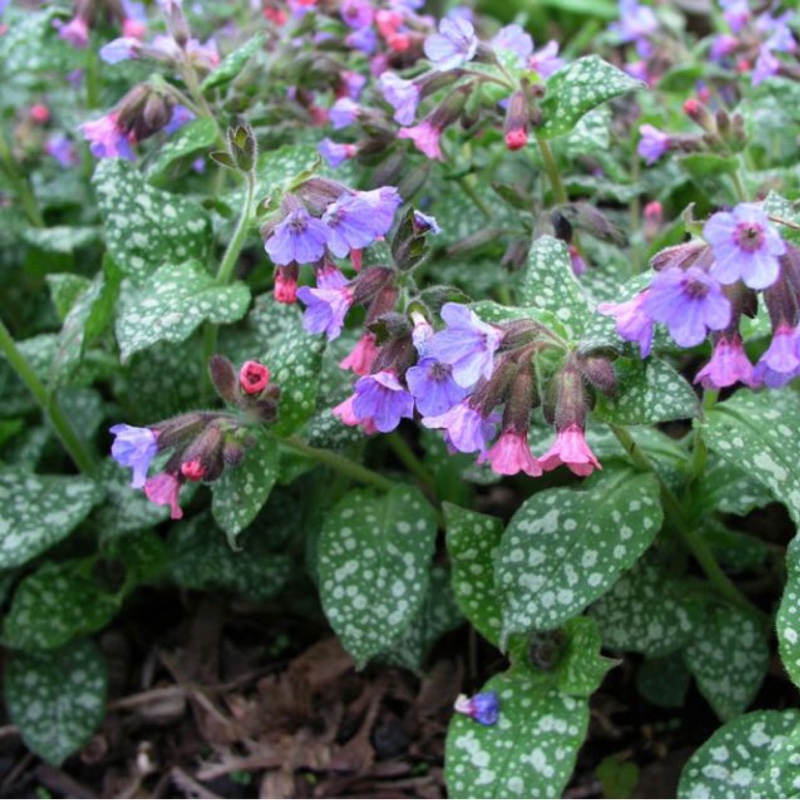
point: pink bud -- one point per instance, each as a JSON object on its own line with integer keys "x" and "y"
{"x": 193, "y": 470}
{"x": 39, "y": 113}
{"x": 253, "y": 377}
{"x": 516, "y": 139}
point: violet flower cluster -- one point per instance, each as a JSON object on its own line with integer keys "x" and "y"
{"x": 704, "y": 287}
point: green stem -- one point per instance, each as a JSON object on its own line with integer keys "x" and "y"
{"x": 401, "y": 449}
{"x": 72, "y": 442}
{"x": 21, "y": 184}
{"x": 339, "y": 463}
{"x": 469, "y": 191}
{"x": 92, "y": 79}
{"x": 551, "y": 168}
{"x": 691, "y": 536}
{"x": 700, "y": 450}
{"x": 738, "y": 186}
{"x": 193, "y": 85}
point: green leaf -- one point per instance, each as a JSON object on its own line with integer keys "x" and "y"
{"x": 778, "y": 206}
{"x": 647, "y": 611}
{"x": 277, "y": 169}
{"x": 530, "y": 752}
{"x": 728, "y": 658}
{"x": 705, "y": 165}
{"x": 56, "y": 699}
{"x": 233, "y": 64}
{"x": 374, "y": 566}
{"x": 781, "y": 778}
{"x": 582, "y": 668}
{"x": 30, "y": 44}
{"x": 197, "y": 135}
{"x": 146, "y": 227}
{"x": 87, "y": 318}
{"x": 472, "y": 542}
{"x": 38, "y": 511}
{"x": 171, "y": 305}
{"x": 202, "y": 560}
{"x": 242, "y": 490}
{"x": 787, "y": 622}
{"x": 618, "y": 778}
{"x": 727, "y": 488}
{"x": 731, "y": 763}
{"x": 649, "y": 391}
{"x": 565, "y": 548}
{"x": 756, "y": 432}
{"x": 664, "y": 681}
{"x": 63, "y": 239}
{"x": 550, "y": 285}
{"x": 56, "y": 604}
{"x": 578, "y": 88}
{"x": 65, "y": 289}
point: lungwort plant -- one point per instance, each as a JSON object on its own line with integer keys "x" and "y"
{"x": 289, "y": 287}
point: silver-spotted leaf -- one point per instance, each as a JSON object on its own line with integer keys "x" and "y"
{"x": 787, "y": 622}
{"x": 197, "y": 135}
{"x": 233, "y": 64}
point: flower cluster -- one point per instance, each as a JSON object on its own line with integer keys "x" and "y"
{"x": 129, "y": 15}
{"x": 706, "y": 286}
{"x": 202, "y": 443}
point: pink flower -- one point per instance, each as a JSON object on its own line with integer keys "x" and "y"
{"x": 728, "y": 365}
{"x": 425, "y": 138}
{"x": 511, "y": 454}
{"x": 253, "y": 377}
{"x": 345, "y": 413}
{"x": 571, "y": 450}
{"x": 163, "y": 490}
{"x": 363, "y": 354}
{"x": 76, "y": 32}
{"x": 106, "y": 139}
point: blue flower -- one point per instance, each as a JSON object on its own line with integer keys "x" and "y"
{"x": 483, "y": 707}
{"x": 134, "y": 447}
{"x": 298, "y": 237}
{"x": 454, "y": 45}
{"x": 433, "y": 387}
{"x": 383, "y": 400}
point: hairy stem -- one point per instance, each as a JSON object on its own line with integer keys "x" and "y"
{"x": 551, "y": 168}
{"x": 72, "y": 442}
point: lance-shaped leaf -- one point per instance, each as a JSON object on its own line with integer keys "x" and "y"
{"x": 198, "y": 135}
{"x": 171, "y": 305}
{"x": 233, "y": 64}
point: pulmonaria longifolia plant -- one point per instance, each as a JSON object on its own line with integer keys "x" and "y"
{"x": 312, "y": 277}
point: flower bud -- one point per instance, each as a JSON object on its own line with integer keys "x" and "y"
{"x": 243, "y": 147}
{"x": 368, "y": 283}
{"x": 653, "y": 219}
{"x": 599, "y": 372}
{"x": 522, "y": 397}
{"x": 253, "y": 377}
{"x": 696, "y": 111}
{"x": 517, "y": 121}
{"x": 176, "y": 21}
{"x": 285, "y": 289}
{"x": 202, "y": 459}
{"x": 178, "y": 431}
{"x": 223, "y": 376}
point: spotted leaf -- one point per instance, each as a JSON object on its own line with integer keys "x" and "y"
{"x": 38, "y": 511}
{"x": 146, "y": 227}
{"x": 233, "y": 64}
{"x": 57, "y": 699}
{"x": 728, "y": 658}
{"x": 173, "y": 302}
{"x": 578, "y": 88}
{"x": 787, "y": 622}
{"x": 472, "y": 541}
{"x": 565, "y": 548}
{"x": 242, "y": 490}
{"x": 196, "y": 136}
{"x": 374, "y": 566}
{"x": 530, "y": 752}
{"x": 733, "y": 761}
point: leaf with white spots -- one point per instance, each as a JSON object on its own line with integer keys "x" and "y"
{"x": 56, "y": 604}
{"x": 550, "y": 285}
{"x": 242, "y": 490}
{"x": 530, "y": 752}
{"x": 647, "y": 611}
{"x": 146, "y": 227}
{"x": 648, "y": 392}
{"x": 201, "y": 559}
{"x": 787, "y": 621}
{"x": 664, "y": 681}
{"x": 61, "y": 238}
{"x": 781, "y": 778}
{"x": 197, "y": 135}
{"x": 472, "y": 542}
{"x": 374, "y": 558}
{"x": 732, "y": 763}
{"x": 295, "y": 361}
{"x": 727, "y": 488}
{"x": 778, "y": 206}
{"x": 757, "y": 432}
{"x": 172, "y": 304}
{"x": 65, "y": 289}
{"x": 578, "y": 88}
{"x": 233, "y": 63}
{"x": 39, "y": 511}
{"x": 57, "y": 699}
{"x": 728, "y": 657}
{"x": 564, "y": 548}
{"x": 581, "y": 669}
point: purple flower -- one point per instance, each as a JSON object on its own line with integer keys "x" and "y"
{"x": 745, "y": 245}
{"x": 136, "y": 448}
{"x": 514, "y": 39}
{"x": 425, "y": 138}
{"x": 402, "y": 95}
{"x": 357, "y": 13}
{"x": 779, "y": 34}
{"x": 467, "y": 344}
{"x": 723, "y": 46}
{"x": 454, "y": 45}
{"x": 633, "y": 323}
{"x": 343, "y": 112}
{"x": 483, "y": 707}
{"x": 298, "y": 237}
{"x": 353, "y": 84}
{"x": 180, "y": 117}
{"x": 122, "y": 49}
{"x": 382, "y": 399}
{"x": 105, "y": 138}
{"x": 424, "y": 223}
{"x": 364, "y": 39}
{"x": 467, "y": 429}
{"x": 728, "y": 365}
{"x": 653, "y": 144}
{"x": 164, "y": 490}
{"x": 61, "y": 149}
{"x": 76, "y": 32}
{"x": 546, "y": 60}
{"x": 636, "y": 24}
{"x": 325, "y": 309}
{"x": 736, "y": 13}
{"x": 328, "y": 275}
{"x": 335, "y": 153}
{"x": 780, "y": 362}
{"x": 766, "y": 66}
{"x": 689, "y": 303}
{"x": 383, "y": 203}
{"x": 349, "y": 221}
{"x": 433, "y": 387}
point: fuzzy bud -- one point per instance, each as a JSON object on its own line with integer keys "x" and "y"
{"x": 599, "y": 372}
{"x": 223, "y": 376}
{"x": 517, "y": 121}
{"x": 203, "y": 457}
{"x": 242, "y": 147}
{"x": 177, "y": 24}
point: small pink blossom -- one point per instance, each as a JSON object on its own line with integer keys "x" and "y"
{"x": 163, "y": 490}
{"x": 571, "y": 450}
{"x": 512, "y": 454}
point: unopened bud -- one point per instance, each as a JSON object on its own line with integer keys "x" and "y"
{"x": 39, "y": 113}
{"x": 193, "y": 470}
{"x": 653, "y": 219}
{"x": 696, "y": 111}
{"x": 156, "y": 114}
{"x": 599, "y": 372}
{"x": 223, "y": 376}
{"x": 253, "y": 377}
{"x": 202, "y": 459}
{"x": 177, "y": 24}
{"x": 285, "y": 289}
{"x": 242, "y": 147}
{"x": 517, "y": 121}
